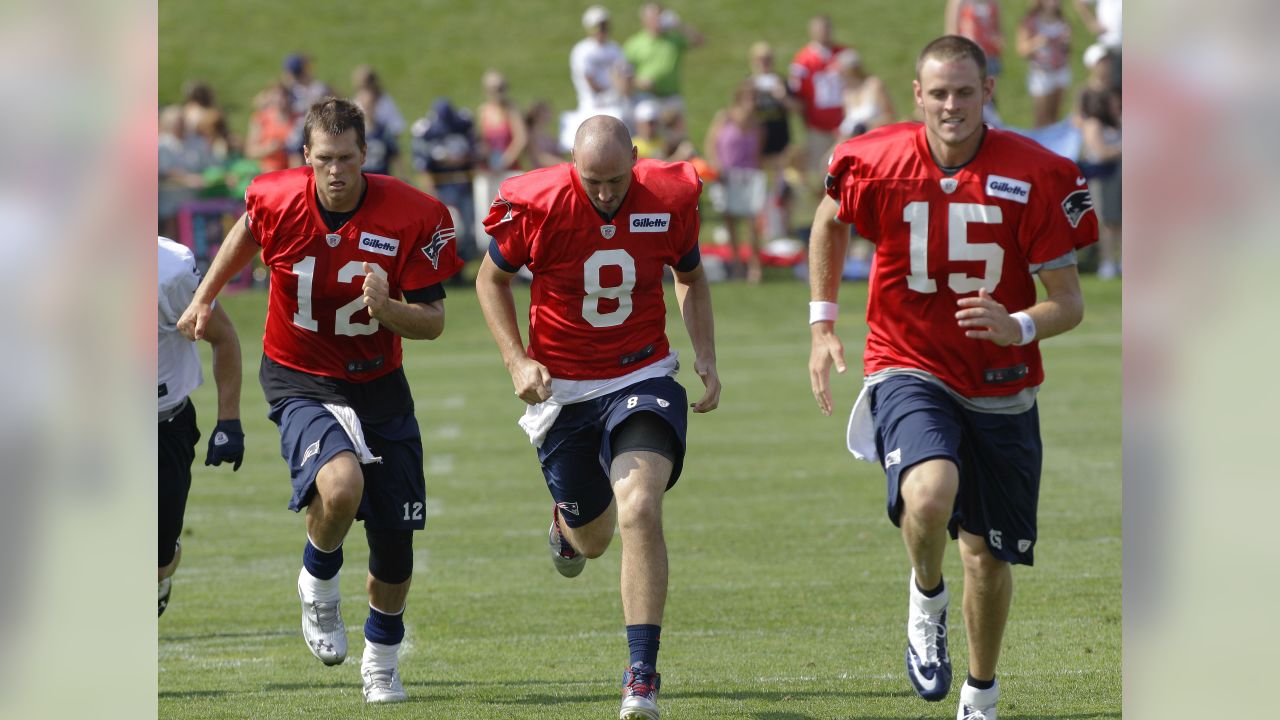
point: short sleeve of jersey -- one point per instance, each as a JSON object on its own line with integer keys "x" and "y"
{"x": 1060, "y": 218}
{"x": 844, "y": 185}
{"x": 179, "y": 278}
{"x": 258, "y": 213}
{"x": 434, "y": 257}
{"x": 508, "y": 224}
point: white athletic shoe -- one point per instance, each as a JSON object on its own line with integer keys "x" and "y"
{"x": 322, "y": 627}
{"x": 165, "y": 588}
{"x": 382, "y": 685}
{"x": 568, "y": 562}
{"x": 928, "y": 664}
{"x": 639, "y": 694}
{"x": 978, "y": 704}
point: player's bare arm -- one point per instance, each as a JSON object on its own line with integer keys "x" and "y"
{"x": 693, "y": 293}
{"x": 827, "y": 243}
{"x": 1060, "y": 310}
{"x": 530, "y": 378}
{"x": 415, "y": 321}
{"x": 237, "y": 250}
{"x": 227, "y": 371}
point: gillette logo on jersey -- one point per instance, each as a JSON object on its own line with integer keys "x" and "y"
{"x": 378, "y": 244}
{"x": 650, "y": 222}
{"x": 1008, "y": 188}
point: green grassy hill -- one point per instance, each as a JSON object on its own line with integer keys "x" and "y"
{"x": 427, "y": 48}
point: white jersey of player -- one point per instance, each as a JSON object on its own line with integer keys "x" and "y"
{"x": 178, "y": 370}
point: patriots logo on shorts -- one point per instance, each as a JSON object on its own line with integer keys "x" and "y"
{"x": 1076, "y": 205}
{"x": 438, "y": 241}
{"x": 569, "y": 507}
{"x": 312, "y": 450}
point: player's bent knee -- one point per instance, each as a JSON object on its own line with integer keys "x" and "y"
{"x": 340, "y": 483}
{"x": 390, "y": 554}
{"x": 929, "y": 509}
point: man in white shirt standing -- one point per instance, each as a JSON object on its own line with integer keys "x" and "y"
{"x": 591, "y": 65}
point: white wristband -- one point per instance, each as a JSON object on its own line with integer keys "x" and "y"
{"x": 820, "y": 310}
{"x": 1028, "y": 327}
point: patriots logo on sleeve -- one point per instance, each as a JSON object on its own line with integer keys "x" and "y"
{"x": 439, "y": 239}
{"x": 499, "y": 201}
{"x": 1076, "y": 205}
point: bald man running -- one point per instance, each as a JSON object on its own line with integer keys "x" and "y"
{"x": 603, "y": 407}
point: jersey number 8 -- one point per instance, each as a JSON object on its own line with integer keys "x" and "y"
{"x": 622, "y": 293}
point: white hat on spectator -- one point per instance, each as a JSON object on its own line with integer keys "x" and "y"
{"x": 1093, "y": 54}
{"x": 848, "y": 59}
{"x": 646, "y": 111}
{"x": 594, "y": 15}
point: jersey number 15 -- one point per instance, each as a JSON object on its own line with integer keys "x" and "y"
{"x": 959, "y": 215}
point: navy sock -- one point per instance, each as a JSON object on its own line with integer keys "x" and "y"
{"x": 322, "y": 565}
{"x": 384, "y": 629}
{"x": 981, "y": 684}
{"x": 934, "y": 592}
{"x": 643, "y": 640}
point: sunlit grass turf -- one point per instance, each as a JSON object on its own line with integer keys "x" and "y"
{"x": 787, "y": 597}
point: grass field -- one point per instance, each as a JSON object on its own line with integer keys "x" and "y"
{"x": 787, "y": 581}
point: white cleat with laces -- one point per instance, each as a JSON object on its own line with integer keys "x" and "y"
{"x": 382, "y": 685}
{"x": 928, "y": 664}
{"x": 322, "y": 626}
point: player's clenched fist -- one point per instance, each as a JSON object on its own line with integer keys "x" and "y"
{"x": 531, "y": 380}
{"x": 193, "y": 320}
{"x": 376, "y": 290}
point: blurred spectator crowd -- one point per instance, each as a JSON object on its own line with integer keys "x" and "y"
{"x": 754, "y": 162}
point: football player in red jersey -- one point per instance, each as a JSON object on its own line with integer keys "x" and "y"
{"x": 963, "y": 217}
{"x": 604, "y": 408}
{"x": 357, "y": 261}
{"x": 815, "y": 78}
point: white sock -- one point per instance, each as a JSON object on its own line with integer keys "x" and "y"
{"x": 313, "y": 588}
{"x": 931, "y": 605}
{"x": 377, "y": 655}
{"x": 975, "y": 698}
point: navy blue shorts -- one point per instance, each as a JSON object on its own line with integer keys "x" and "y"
{"x": 578, "y": 449}
{"x": 395, "y": 490}
{"x": 998, "y": 457}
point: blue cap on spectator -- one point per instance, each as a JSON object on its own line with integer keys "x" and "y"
{"x": 293, "y": 64}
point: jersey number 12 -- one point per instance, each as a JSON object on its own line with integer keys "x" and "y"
{"x": 305, "y": 270}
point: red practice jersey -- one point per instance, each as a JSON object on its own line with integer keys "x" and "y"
{"x": 815, "y": 79}
{"x": 940, "y": 238}
{"x": 597, "y": 308}
{"x": 316, "y": 318}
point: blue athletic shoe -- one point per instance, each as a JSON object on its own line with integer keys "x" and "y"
{"x": 639, "y": 693}
{"x": 928, "y": 664}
